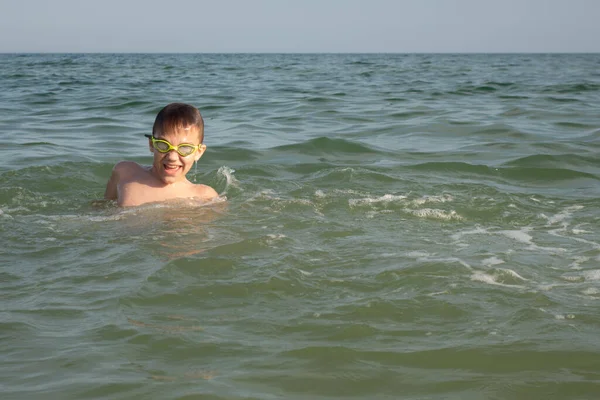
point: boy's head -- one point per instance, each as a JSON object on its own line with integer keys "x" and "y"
{"x": 178, "y": 126}
{"x": 178, "y": 116}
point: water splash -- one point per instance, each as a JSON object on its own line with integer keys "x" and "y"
{"x": 230, "y": 180}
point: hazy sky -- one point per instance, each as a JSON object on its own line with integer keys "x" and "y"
{"x": 300, "y": 26}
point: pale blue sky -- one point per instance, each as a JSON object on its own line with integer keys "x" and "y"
{"x": 300, "y": 26}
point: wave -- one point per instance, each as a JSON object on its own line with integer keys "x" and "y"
{"x": 321, "y": 145}
{"x": 41, "y": 144}
{"x": 238, "y": 151}
{"x": 453, "y": 167}
{"x": 410, "y": 114}
{"x": 574, "y": 125}
{"x": 552, "y": 161}
{"x": 497, "y": 130}
{"x": 571, "y": 88}
{"x": 520, "y": 171}
{"x": 122, "y": 104}
{"x": 545, "y": 175}
{"x": 555, "y": 99}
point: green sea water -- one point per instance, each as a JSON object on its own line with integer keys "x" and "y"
{"x": 395, "y": 226}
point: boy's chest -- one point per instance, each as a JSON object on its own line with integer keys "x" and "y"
{"x": 135, "y": 193}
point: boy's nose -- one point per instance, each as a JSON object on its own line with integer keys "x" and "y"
{"x": 172, "y": 155}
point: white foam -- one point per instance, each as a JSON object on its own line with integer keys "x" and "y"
{"x": 476, "y": 231}
{"x": 562, "y": 317}
{"x": 437, "y": 293}
{"x": 426, "y": 213}
{"x": 304, "y": 202}
{"x": 373, "y": 214}
{"x": 592, "y": 275}
{"x": 433, "y": 199}
{"x": 512, "y": 273}
{"x": 272, "y": 239}
{"x": 386, "y": 198}
{"x": 520, "y": 236}
{"x": 485, "y": 278}
{"x": 578, "y": 261}
{"x": 551, "y": 250}
{"x": 591, "y": 291}
{"x": 106, "y": 218}
{"x": 488, "y": 262}
{"x": 17, "y": 209}
{"x": 563, "y": 215}
{"x": 435, "y": 214}
{"x": 418, "y": 254}
{"x": 572, "y": 278}
{"x": 276, "y": 236}
{"x": 547, "y": 288}
{"x": 348, "y": 191}
{"x": 266, "y": 194}
{"x": 319, "y": 193}
{"x": 387, "y": 255}
{"x": 427, "y": 257}
{"x": 489, "y": 279}
{"x": 461, "y": 262}
{"x": 579, "y": 231}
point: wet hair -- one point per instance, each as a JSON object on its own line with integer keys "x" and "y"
{"x": 176, "y": 116}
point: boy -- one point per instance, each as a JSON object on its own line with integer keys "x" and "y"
{"x": 176, "y": 143}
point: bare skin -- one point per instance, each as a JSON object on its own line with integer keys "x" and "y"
{"x": 132, "y": 184}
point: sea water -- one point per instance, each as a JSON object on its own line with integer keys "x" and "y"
{"x": 413, "y": 226}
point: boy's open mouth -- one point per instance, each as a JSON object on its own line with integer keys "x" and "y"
{"x": 171, "y": 168}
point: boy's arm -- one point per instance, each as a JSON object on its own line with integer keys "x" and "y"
{"x": 111, "y": 192}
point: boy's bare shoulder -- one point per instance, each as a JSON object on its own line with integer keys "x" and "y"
{"x": 127, "y": 166}
{"x": 122, "y": 172}
{"x": 205, "y": 192}
{"x": 128, "y": 169}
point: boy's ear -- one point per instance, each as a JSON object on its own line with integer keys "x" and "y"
{"x": 150, "y": 145}
{"x": 201, "y": 150}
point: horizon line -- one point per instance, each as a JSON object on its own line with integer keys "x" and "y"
{"x": 302, "y": 52}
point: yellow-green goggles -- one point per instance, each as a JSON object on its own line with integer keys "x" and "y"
{"x": 184, "y": 149}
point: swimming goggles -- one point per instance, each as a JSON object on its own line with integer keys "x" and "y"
{"x": 184, "y": 149}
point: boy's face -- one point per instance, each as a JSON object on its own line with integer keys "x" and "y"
{"x": 171, "y": 167}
